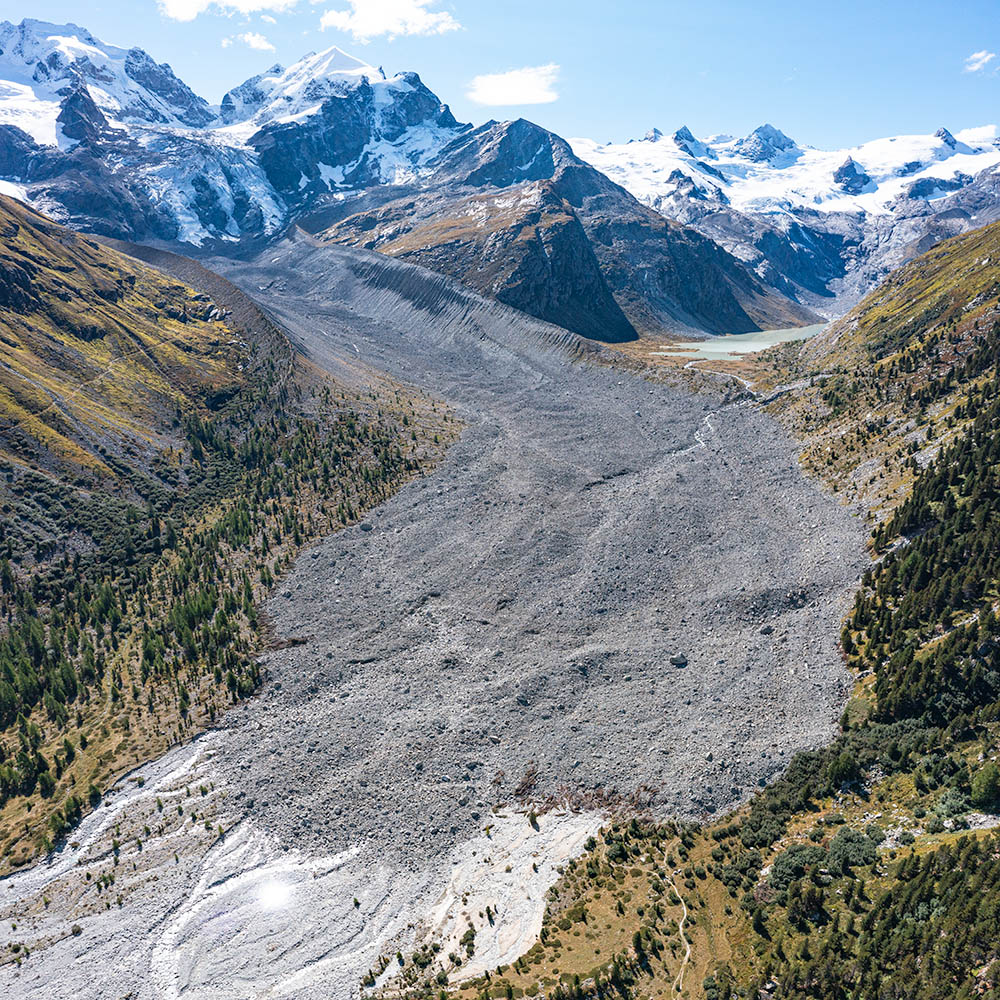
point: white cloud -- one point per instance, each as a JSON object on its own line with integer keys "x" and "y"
{"x": 188, "y": 10}
{"x": 256, "y": 41}
{"x": 979, "y": 61}
{"x": 268, "y": 19}
{"x": 367, "y": 19}
{"x": 251, "y": 38}
{"x": 530, "y": 85}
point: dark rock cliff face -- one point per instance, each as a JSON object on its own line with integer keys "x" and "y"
{"x": 161, "y": 81}
{"x": 850, "y": 177}
{"x": 524, "y": 247}
{"x": 18, "y": 153}
{"x": 81, "y": 119}
{"x": 512, "y": 212}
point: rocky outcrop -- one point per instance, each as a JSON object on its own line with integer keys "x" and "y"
{"x": 527, "y": 249}
{"x": 159, "y": 79}
{"x": 934, "y": 187}
{"x": 332, "y": 146}
{"x": 81, "y": 119}
{"x": 765, "y": 143}
{"x": 850, "y": 177}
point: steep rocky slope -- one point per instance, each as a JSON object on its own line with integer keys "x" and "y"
{"x": 509, "y": 210}
{"x": 886, "y": 387}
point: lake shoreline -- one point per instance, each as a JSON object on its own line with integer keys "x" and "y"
{"x": 734, "y": 345}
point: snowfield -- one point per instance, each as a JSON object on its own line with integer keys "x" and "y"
{"x": 199, "y": 162}
{"x": 767, "y": 172}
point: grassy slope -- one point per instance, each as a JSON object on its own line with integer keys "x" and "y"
{"x": 889, "y": 379}
{"x": 160, "y": 465}
{"x": 856, "y": 873}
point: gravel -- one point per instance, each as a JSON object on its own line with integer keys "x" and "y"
{"x": 514, "y": 613}
{"x": 523, "y": 604}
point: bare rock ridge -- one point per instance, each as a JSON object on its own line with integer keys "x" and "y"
{"x": 511, "y": 211}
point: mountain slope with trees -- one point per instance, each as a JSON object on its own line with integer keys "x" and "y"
{"x": 163, "y": 460}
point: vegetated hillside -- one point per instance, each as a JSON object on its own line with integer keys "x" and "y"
{"x": 161, "y": 462}
{"x": 870, "y": 869}
{"x": 890, "y": 382}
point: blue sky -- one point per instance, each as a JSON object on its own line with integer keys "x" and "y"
{"x": 827, "y": 74}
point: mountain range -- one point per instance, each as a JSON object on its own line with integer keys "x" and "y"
{"x": 824, "y": 226}
{"x": 660, "y": 236}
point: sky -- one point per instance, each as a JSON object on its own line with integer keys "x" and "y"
{"x": 829, "y": 75}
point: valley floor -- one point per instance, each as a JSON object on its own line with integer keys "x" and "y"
{"x": 498, "y": 632}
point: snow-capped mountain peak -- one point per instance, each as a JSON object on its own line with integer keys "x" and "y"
{"x": 281, "y": 93}
{"x": 43, "y": 63}
{"x": 764, "y": 144}
{"x": 165, "y": 162}
{"x": 685, "y": 141}
{"x": 767, "y": 172}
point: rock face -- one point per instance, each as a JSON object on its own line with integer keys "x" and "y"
{"x": 527, "y": 249}
{"x": 850, "y": 177}
{"x": 187, "y": 106}
{"x": 764, "y": 144}
{"x": 300, "y": 158}
{"x": 511, "y": 211}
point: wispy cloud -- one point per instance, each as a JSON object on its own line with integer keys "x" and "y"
{"x": 188, "y": 10}
{"x": 978, "y": 61}
{"x": 253, "y": 39}
{"x": 529, "y": 85}
{"x": 368, "y": 19}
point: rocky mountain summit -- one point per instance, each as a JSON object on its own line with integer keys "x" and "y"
{"x": 109, "y": 141}
{"x": 822, "y": 226}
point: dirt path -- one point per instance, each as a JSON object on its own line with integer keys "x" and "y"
{"x": 679, "y": 979}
